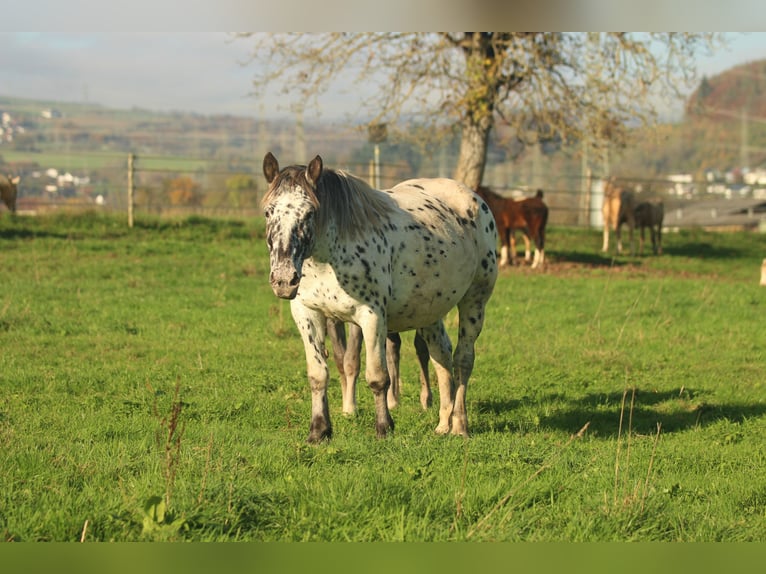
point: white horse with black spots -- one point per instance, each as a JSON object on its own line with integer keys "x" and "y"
{"x": 387, "y": 261}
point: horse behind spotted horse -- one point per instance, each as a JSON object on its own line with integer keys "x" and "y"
{"x": 387, "y": 261}
{"x": 529, "y": 215}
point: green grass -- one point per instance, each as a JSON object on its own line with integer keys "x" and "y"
{"x": 79, "y": 161}
{"x": 153, "y": 388}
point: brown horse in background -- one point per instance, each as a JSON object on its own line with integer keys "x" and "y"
{"x": 618, "y": 208}
{"x": 528, "y": 215}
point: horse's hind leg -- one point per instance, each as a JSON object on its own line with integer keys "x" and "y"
{"x": 471, "y": 321}
{"x": 351, "y": 366}
{"x": 506, "y": 240}
{"x": 393, "y": 354}
{"x": 527, "y": 247}
{"x": 440, "y": 348}
{"x": 421, "y": 348}
{"x": 539, "y": 249}
{"x": 659, "y": 238}
{"x": 336, "y": 330}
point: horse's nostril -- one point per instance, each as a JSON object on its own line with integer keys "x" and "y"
{"x": 294, "y": 281}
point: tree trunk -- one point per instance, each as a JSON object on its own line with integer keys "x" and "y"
{"x": 473, "y": 151}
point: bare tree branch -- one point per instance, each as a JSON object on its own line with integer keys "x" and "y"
{"x": 569, "y": 86}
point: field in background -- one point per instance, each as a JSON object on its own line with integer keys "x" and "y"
{"x": 153, "y": 388}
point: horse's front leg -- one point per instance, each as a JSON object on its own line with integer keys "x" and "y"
{"x": 312, "y": 327}
{"x": 374, "y": 329}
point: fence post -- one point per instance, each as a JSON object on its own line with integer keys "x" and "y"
{"x": 131, "y": 169}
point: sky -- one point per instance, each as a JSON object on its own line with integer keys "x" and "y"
{"x": 202, "y": 72}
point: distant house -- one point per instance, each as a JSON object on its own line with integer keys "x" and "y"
{"x": 50, "y": 113}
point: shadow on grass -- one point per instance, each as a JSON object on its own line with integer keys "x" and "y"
{"x": 24, "y": 233}
{"x": 673, "y": 411}
{"x": 702, "y": 250}
{"x": 590, "y": 259}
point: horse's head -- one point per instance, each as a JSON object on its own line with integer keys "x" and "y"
{"x": 290, "y": 208}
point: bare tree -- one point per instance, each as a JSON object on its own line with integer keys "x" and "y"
{"x": 567, "y": 86}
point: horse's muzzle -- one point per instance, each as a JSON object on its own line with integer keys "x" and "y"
{"x": 285, "y": 284}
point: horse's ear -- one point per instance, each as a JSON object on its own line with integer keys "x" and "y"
{"x": 314, "y": 170}
{"x": 270, "y": 167}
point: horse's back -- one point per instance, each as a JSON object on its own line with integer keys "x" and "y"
{"x": 447, "y": 243}
{"x": 451, "y": 192}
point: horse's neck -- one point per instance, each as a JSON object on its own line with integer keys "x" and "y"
{"x": 325, "y": 243}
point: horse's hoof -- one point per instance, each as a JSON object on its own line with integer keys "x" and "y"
{"x": 459, "y": 426}
{"x": 320, "y": 430}
{"x": 315, "y": 438}
{"x": 442, "y": 429}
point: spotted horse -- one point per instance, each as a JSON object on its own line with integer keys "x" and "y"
{"x": 387, "y": 261}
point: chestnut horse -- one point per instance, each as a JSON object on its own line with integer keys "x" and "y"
{"x": 528, "y": 215}
{"x": 618, "y": 208}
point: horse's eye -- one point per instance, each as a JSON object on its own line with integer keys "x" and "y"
{"x": 267, "y": 212}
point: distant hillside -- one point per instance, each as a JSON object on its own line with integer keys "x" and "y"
{"x": 729, "y": 93}
{"x": 724, "y": 129}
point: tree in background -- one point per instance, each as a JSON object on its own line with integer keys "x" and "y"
{"x": 182, "y": 191}
{"x": 544, "y": 85}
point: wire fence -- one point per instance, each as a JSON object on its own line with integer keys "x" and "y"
{"x": 154, "y": 185}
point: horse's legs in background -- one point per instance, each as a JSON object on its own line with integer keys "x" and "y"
{"x": 312, "y": 327}
{"x": 440, "y": 349}
{"x": 506, "y": 240}
{"x": 618, "y": 236}
{"x": 605, "y": 246}
{"x": 393, "y": 354}
{"x": 658, "y": 251}
{"x": 336, "y": 331}
{"x": 421, "y": 348}
{"x": 642, "y": 239}
{"x": 351, "y": 366}
{"x": 527, "y": 246}
{"x": 539, "y": 259}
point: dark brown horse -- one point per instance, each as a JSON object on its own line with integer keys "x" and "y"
{"x": 650, "y": 214}
{"x": 528, "y": 215}
{"x": 8, "y": 191}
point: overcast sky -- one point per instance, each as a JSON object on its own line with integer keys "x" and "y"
{"x": 192, "y": 71}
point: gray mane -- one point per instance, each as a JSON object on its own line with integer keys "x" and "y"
{"x": 341, "y": 198}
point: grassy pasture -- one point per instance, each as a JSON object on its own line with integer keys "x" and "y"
{"x": 152, "y": 388}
